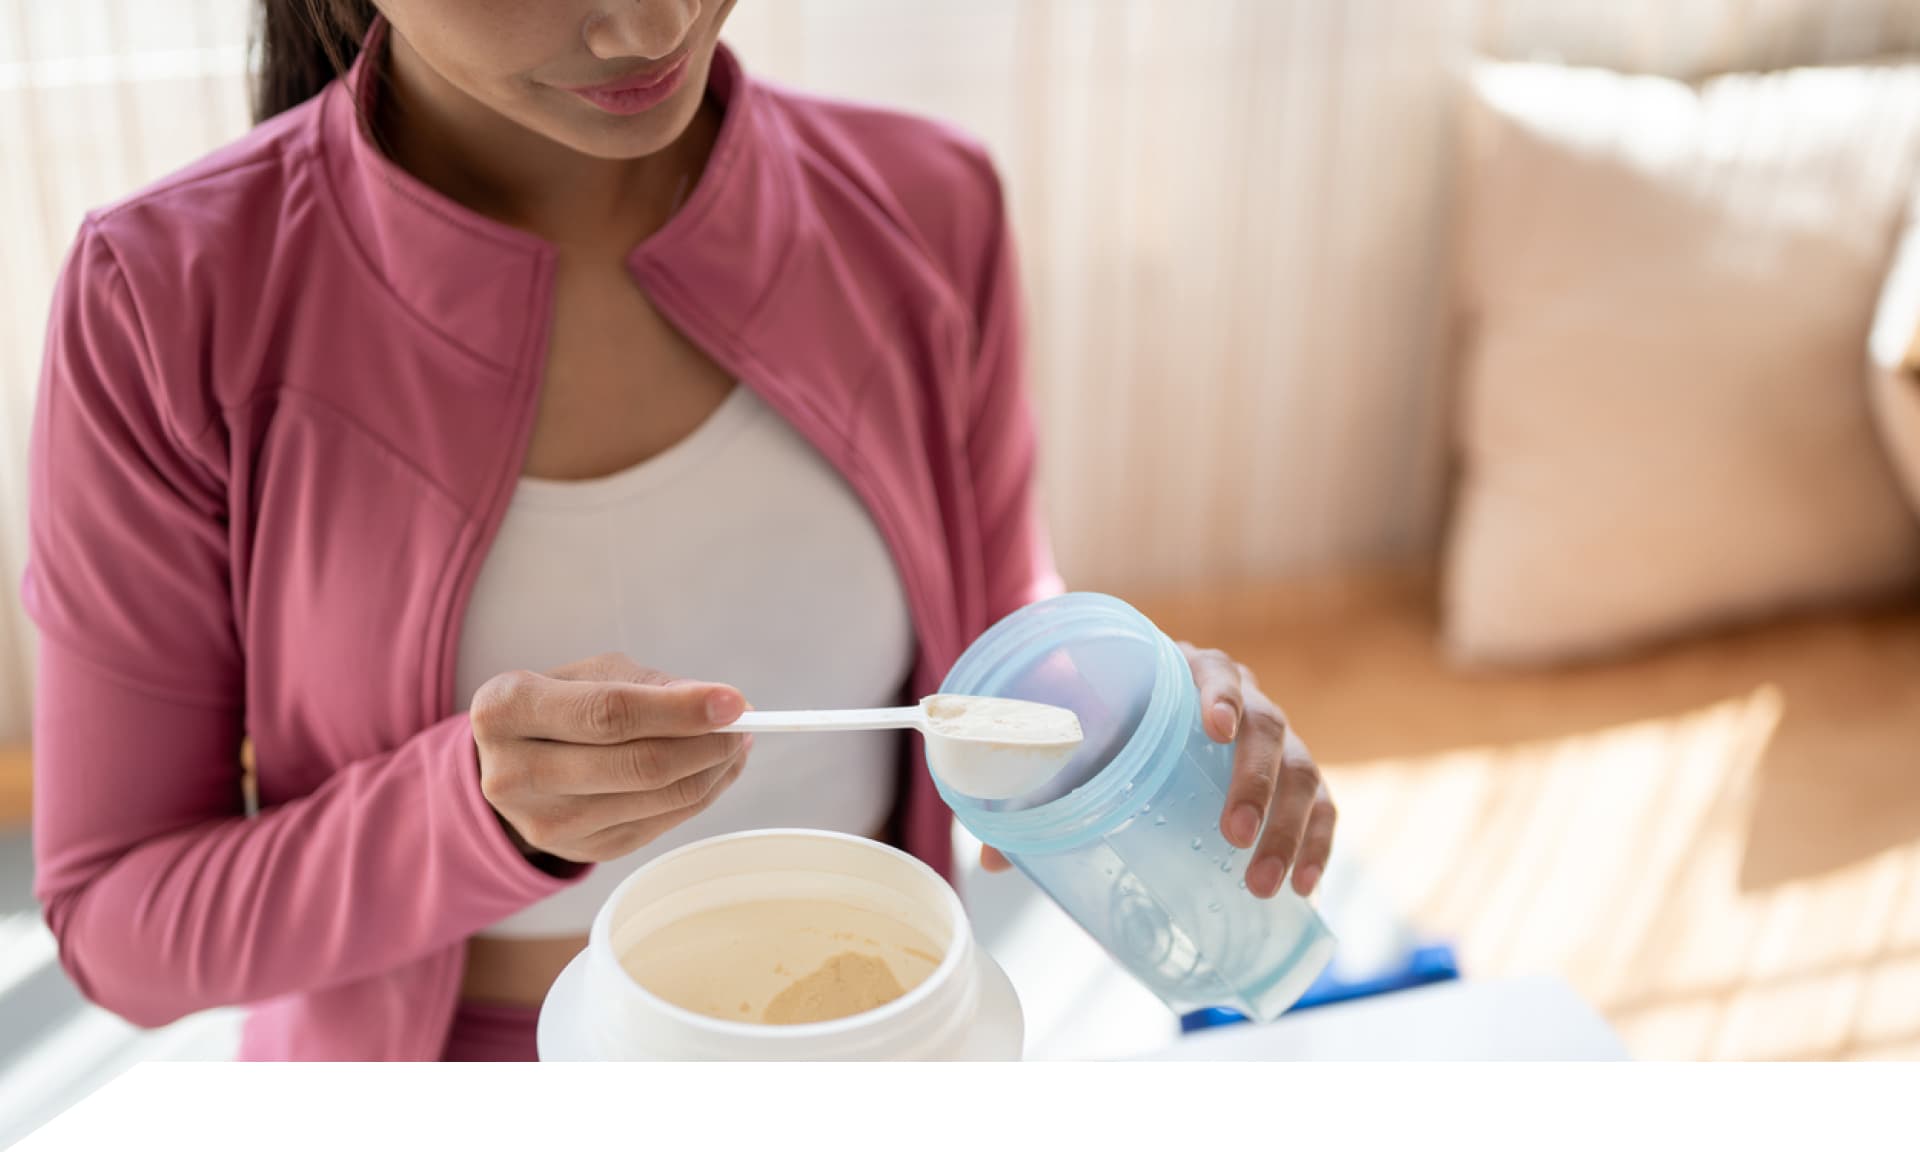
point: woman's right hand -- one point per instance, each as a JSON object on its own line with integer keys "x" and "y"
{"x": 592, "y": 761}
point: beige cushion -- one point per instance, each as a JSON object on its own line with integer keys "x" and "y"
{"x": 1894, "y": 373}
{"x": 1666, "y": 293}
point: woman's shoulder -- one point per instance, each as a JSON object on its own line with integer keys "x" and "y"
{"x": 931, "y": 177}
{"x": 189, "y": 255}
{"x": 906, "y": 145}
{"x": 221, "y": 203}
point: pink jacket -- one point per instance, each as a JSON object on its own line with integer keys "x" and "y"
{"x": 286, "y": 397}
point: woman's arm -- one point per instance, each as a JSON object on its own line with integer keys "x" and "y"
{"x": 165, "y": 899}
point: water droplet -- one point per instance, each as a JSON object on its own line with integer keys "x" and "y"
{"x": 1243, "y": 885}
{"x": 1128, "y": 790}
{"x": 1226, "y": 865}
{"x": 1145, "y": 808}
{"x": 1196, "y": 843}
{"x": 1214, "y": 906}
{"x": 1191, "y": 795}
{"x": 1159, "y": 821}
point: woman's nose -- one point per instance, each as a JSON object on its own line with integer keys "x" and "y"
{"x": 649, "y": 29}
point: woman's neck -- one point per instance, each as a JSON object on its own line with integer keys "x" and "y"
{"x": 500, "y": 169}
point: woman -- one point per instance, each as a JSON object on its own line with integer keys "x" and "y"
{"x": 544, "y": 331}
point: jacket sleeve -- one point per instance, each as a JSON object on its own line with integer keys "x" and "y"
{"x": 164, "y": 896}
{"x": 1002, "y": 439}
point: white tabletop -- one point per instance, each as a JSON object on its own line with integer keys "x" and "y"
{"x": 1534, "y": 1019}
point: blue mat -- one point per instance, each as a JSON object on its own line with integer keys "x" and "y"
{"x": 1431, "y": 964}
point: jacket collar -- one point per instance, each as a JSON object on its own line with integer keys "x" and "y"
{"x": 482, "y": 285}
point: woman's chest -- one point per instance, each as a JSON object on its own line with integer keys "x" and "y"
{"x": 739, "y": 554}
{"x": 619, "y": 384}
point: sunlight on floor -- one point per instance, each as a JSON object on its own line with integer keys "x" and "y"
{"x": 1614, "y": 859}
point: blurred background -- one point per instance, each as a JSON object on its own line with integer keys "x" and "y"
{"x": 1518, "y": 386}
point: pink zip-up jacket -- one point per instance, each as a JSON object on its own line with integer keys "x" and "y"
{"x": 286, "y": 398}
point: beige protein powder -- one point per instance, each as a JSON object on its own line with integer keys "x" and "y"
{"x": 782, "y": 961}
{"x": 848, "y": 984}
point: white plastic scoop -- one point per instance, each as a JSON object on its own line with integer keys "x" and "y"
{"x": 981, "y": 746}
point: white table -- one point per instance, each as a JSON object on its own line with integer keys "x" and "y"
{"x": 1534, "y": 1019}
{"x": 1080, "y": 1005}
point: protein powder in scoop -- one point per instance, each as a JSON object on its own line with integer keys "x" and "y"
{"x": 993, "y": 748}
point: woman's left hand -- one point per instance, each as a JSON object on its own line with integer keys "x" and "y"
{"x": 1278, "y": 800}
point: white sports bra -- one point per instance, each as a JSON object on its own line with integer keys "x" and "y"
{"x": 738, "y": 556}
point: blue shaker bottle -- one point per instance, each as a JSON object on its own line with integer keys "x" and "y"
{"x": 1127, "y": 839}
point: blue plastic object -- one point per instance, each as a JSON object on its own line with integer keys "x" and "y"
{"x": 1432, "y": 964}
{"x": 1127, "y": 839}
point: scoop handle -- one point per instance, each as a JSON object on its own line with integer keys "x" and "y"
{"x": 834, "y": 720}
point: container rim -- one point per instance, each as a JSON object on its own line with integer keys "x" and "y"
{"x": 600, "y": 942}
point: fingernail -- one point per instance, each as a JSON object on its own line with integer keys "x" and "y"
{"x": 1263, "y": 879}
{"x": 1305, "y": 879}
{"x": 1226, "y": 718}
{"x": 1243, "y": 826}
{"x": 720, "y": 707}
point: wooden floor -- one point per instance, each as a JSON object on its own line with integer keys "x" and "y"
{"x": 1717, "y": 843}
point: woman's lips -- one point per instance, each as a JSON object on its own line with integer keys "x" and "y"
{"x": 636, "y": 94}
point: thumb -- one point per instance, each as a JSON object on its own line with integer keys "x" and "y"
{"x": 642, "y": 702}
{"x": 724, "y": 702}
{"x": 992, "y": 860}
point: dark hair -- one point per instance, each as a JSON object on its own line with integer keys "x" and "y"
{"x": 300, "y": 46}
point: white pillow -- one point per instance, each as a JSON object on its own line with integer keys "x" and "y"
{"x": 1666, "y": 293}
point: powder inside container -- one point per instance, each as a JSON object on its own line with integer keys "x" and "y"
{"x": 782, "y": 961}
{"x": 846, "y": 985}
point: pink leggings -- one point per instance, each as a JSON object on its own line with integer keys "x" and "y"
{"x": 488, "y": 1031}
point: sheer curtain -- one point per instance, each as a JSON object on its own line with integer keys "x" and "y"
{"x": 1233, "y": 216}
